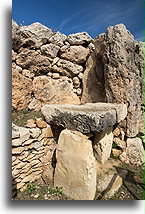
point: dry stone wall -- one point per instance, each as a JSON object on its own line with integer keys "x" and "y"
{"x": 48, "y": 67}
{"x": 32, "y": 154}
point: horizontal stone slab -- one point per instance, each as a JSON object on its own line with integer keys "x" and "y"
{"x": 92, "y": 117}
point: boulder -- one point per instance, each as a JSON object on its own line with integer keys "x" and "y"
{"x": 53, "y": 91}
{"x": 21, "y": 91}
{"x": 75, "y": 169}
{"x": 37, "y": 30}
{"x": 58, "y": 39}
{"x": 79, "y": 38}
{"x": 83, "y": 118}
{"x": 75, "y": 53}
{"x": 67, "y": 68}
{"x": 124, "y": 74}
{"x": 103, "y": 145}
{"x": 33, "y": 61}
{"x": 50, "y": 50}
{"x": 134, "y": 152}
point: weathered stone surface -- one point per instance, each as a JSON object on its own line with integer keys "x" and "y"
{"x": 119, "y": 142}
{"x": 122, "y": 59}
{"x": 30, "y": 123}
{"x": 27, "y": 73}
{"x": 124, "y": 78}
{"x": 103, "y": 145}
{"x": 34, "y": 61}
{"x": 35, "y": 105}
{"x": 21, "y": 91}
{"x": 116, "y": 152}
{"x": 77, "y": 54}
{"x": 75, "y": 169}
{"x": 15, "y": 131}
{"x": 17, "y": 150}
{"x": 67, "y": 68}
{"x": 109, "y": 184}
{"x": 83, "y": 118}
{"x": 116, "y": 132}
{"x": 58, "y": 39}
{"x": 41, "y": 124}
{"x": 134, "y": 153}
{"x": 47, "y": 131}
{"x": 50, "y": 50}
{"x": 47, "y": 174}
{"x": 52, "y": 91}
{"x": 120, "y": 108}
{"x": 79, "y": 38}
{"x": 24, "y": 134}
{"x": 93, "y": 78}
{"x": 16, "y": 142}
{"x": 35, "y": 132}
{"x": 37, "y": 30}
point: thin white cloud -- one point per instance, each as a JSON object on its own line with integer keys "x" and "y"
{"x": 70, "y": 18}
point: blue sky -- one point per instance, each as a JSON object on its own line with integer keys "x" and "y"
{"x": 71, "y": 16}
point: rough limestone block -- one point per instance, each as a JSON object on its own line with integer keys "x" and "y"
{"x": 83, "y": 118}
{"x": 134, "y": 152}
{"x": 75, "y": 169}
{"x": 103, "y": 145}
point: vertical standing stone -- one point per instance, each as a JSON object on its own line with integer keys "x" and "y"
{"x": 75, "y": 169}
{"x": 103, "y": 144}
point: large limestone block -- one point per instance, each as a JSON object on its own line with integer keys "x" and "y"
{"x": 58, "y": 91}
{"x": 79, "y": 38}
{"x": 120, "y": 108}
{"x": 75, "y": 169}
{"x": 33, "y": 61}
{"x": 67, "y": 68}
{"x": 38, "y": 30}
{"x": 21, "y": 91}
{"x": 134, "y": 152}
{"x": 83, "y": 118}
{"x": 75, "y": 53}
{"x": 50, "y": 50}
{"x": 122, "y": 60}
{"x": 103, "y": 145}
{"x": 58, "y": 39}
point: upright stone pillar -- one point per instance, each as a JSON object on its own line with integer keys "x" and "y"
{"x": 76, "y": 166}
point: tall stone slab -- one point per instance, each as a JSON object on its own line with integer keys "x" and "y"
{"x": 103, "y": 145}
{"x": 75, "y": 169}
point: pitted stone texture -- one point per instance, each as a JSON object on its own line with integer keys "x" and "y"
{"x": 134, "y": 153}
{"x": 21, "y": 91}
{"x": 53, "y": 91}
{"x": 75, "y": 169}
{"x": 37, "y": 30}
{"x": 120, "y": 108}
{"x": 103, "y": 145}
{"x": 33, "y": 61}
{"x": 50, "y": 50}
{"x": 83, "y": 118}
{"x": 79, "y": 38}
{"x": 122, "y": 59}
{"x": 58, "y": 39}
{"x": 67, "y": 68}
{"x": 75, "y": 53}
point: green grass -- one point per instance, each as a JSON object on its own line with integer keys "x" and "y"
{"x": 20, "y": 118}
